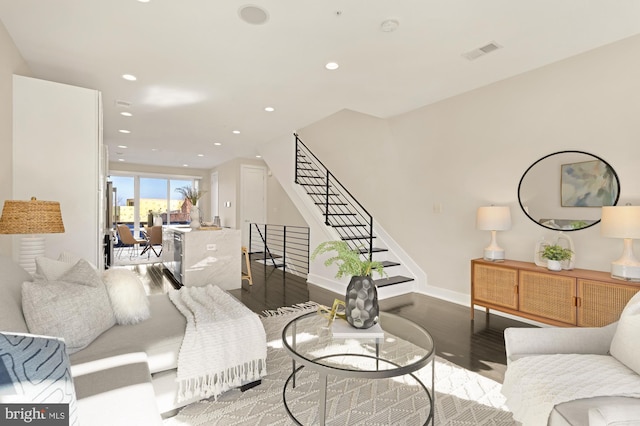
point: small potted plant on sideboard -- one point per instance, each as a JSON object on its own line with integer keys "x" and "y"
{"x": 555, "y": 254}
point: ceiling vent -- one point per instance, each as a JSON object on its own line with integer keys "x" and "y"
{"x": 481, "y": 51}
{"x": 123, "y": 104}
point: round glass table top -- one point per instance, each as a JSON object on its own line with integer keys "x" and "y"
{"x": 397, "y": 347}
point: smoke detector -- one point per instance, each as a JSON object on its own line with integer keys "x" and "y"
{"x": 389, "y": 25}
{"x": 481, "y": 51}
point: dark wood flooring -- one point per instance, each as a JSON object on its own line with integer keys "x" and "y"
{"x": 475, "y": 345}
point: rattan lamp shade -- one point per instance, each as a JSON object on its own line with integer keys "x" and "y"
{"x": 31, "y": 217}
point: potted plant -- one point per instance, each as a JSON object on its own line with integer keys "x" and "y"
{"x": 361, "y": 298}
{"x": 193, "y": 195}
{"x": 554, "y": 255}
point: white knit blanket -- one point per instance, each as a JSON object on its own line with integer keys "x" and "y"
{"x": 224, "y": 343}
{"x": 533, "y": 385}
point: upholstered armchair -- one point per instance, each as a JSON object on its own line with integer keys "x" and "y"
{"x": 575, "y": 376}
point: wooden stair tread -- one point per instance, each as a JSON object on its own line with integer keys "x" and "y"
{"x": 356, "y": 237}
{"x": 373, "y": 250}
{"x": 399, "y": 279}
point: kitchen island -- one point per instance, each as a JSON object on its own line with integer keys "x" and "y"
{"x": 204, "y": 256}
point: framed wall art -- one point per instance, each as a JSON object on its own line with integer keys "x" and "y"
{"x": 588, "y": 184}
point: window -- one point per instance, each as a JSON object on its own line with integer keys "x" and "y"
{"x": 153, "y": 199}
{"x": 139, "y": 196}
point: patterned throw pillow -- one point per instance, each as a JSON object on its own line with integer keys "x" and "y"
{"x": 76, "y": 307}
{"x": 35, "y": 370}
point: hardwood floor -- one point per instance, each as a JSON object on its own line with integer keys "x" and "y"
{"x": 475, "y": 345}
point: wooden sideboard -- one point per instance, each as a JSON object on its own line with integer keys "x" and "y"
{"x": 579, "y": 297}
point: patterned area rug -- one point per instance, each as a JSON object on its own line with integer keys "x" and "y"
{"x": 462, "y": 397}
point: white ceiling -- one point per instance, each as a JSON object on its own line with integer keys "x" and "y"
{"x": 203, "y": 72}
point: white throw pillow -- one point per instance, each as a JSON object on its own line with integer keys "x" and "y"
{"x": 625, "y": 344}
{"x": 128, "y": 297}
{"x": 50, "y": 269}
{"x": 632, "y": 307}
{"x": 77, "y": 313}
{"x": 615, "y": 415}
{"x": 68, "y": 257}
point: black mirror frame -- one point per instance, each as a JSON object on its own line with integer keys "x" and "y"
{"x": 565, "y": 152}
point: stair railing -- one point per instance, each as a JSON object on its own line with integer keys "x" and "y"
{"x": 340, "y": 209}
{"x": 282, "y": 246}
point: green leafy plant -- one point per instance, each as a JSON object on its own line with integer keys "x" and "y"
{"x": 191, "y": 194}
{"x": 349, "y": 261}
{"x": 556, "y": 252}
{"x": 577, "y": 224}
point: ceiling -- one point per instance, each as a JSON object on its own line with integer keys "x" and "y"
{"x": 203, "y": 72}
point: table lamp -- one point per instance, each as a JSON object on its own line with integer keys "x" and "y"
{"x": 31, "y": 217}
{"x": 493, "y": 218}
{"x": 623, "y": 222}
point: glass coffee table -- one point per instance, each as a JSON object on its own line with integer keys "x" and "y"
{"x": 400, "y": 348}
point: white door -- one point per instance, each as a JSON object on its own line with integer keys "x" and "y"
{"x": 253, "y": 207}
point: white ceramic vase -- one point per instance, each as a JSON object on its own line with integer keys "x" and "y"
{"x": 157, "y": 220}
{"x": 194, "y": 214}
{"x": 554, "y": 265}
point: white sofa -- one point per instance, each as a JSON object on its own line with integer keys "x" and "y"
{"x": 616, "y": 346}
{"x": 127, "y": 374}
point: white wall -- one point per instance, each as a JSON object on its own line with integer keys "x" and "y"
{"x": 11, "y": 62}
{"x": 56, "y": 157}
{"x": 280, "y": 209}
{"x": 471, "y": 150}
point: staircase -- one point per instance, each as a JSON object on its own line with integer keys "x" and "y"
{"x": 343, "y": 212}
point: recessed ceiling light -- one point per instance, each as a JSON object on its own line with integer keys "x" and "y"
{"x": 236, "y": 132}
{"x": 269, "y": 109}
{"x": 123, "y": 146}
{"x": 253, "y": 14}
{"x": 129, "y": 77}
{"x": 124, "y": 131}
{"x": 200, "y": 155}
{"x": 126, "y": 113}
{"x": 217, "y": 143}
{"x": 258, "y": 156}
{"x": 185, "y": 165}
{"x": 143, "y": 1}
{"x": 120, "y": 159}
{"x": 154, "y": 149}
{"x": 332, "y": 66}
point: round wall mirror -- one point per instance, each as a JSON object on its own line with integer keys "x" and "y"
{"x": 565, "y": 190}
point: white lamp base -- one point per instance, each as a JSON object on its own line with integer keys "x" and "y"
{"x": 627, "y": 267}
{"x": 31, "y": 246}
{"x": 625, "y": 272}
{"x": 493, "y": 252}
{"x": 493, "y": 255}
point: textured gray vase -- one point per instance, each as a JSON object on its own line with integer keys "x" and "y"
{"x": 362, "y": 302}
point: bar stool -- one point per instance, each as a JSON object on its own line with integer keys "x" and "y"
{"x": 247, "y": 276}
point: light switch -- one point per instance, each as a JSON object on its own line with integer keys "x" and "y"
{"x": 437, "y": 208}
{"x": 211, "y": 247}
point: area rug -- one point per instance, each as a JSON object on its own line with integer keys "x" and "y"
{"x": 462, "y": 397}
